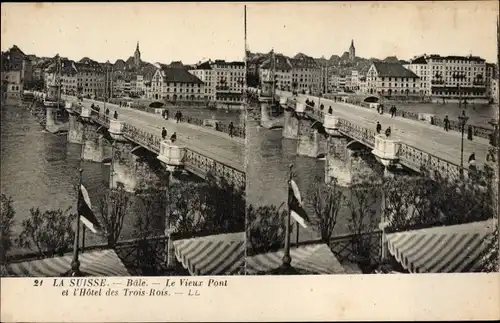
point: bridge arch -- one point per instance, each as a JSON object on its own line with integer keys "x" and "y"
{"x": 371, "y": 99}
{"x": 355, "y": 145}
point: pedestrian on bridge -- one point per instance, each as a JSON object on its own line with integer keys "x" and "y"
{"x": 388, "y": 132}
{"x": 382, "y": 109}
{"x": 115, "y": 115}
{"x": 106, "y": 112}
{"x": 446, "y": 123}
{"x": 163, "y": 133}
{"x": 393, "y": 111}
{"x": 231, "y": 129}
{"x": 469, "y": 132}
{"x": 173, "y": 138}
{"x": 379, "y": 127}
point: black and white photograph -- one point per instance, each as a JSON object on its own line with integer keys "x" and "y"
{"x": 372, "y": 138}
{"x": 123, "y": 140}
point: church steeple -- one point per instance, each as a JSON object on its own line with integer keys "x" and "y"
{"x": 137, "y": 56}
{"x": 352, "y": 51}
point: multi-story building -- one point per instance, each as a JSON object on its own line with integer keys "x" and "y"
{"x": 282, "y": 71}
{"x": 494, "y": 90}
{"x": 419, "y": 66}
{"x": 62, "y": 72}
{"x": 491, "y": 76}
{"x": 16, "y": 71}
{"x": 391, "y": 80}
{"x": 306, "y": 74}
{"x": 176, "y": 84}
{"x": 223, "y": 81}
{"x": 352, "y": 81}
{"x": 90, "y": 78}
{"x": 451, "y": 77}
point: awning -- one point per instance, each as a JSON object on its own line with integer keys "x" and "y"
{"x": 221, "y": 254}
{"x": 95, "y": 263}
{"x": 314, "y": 259}
{"x": 456, "y": 248}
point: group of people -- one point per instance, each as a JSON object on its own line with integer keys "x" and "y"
{"x": 470, "y": 129}
{"x": 379, "y": 129}
{"x": 173, "y": 137}
{"x": 392, "y": 110}
{"x": 106, "y": 112}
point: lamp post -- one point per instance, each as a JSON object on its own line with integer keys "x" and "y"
{"x": 463, "y": 120}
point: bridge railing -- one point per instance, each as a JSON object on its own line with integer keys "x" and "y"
{"x": 410, "y": 156}
{"x": 144, "y": 138}
{"x": 218, "y": 169}
{"x": 417, "y": 159}
{"x": 191, "y": 158}
{"x": 478, "y": 131}
{"x": 357, "y": 132}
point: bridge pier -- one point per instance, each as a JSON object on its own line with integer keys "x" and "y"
{"x": 346, "y": 160}
{"x": 291, "y": 125}
{"x": 386, "y": 152}
{"x": 75, "y": 127}
{"x": 135, "y": 167}
{"x": 310, "y": 142}
{"x": 50, "y": 118}
{"x": 94, "y": 143}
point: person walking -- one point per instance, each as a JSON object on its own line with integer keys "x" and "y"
{"x": 163, "y": 133}
{"x": 231, "y": 129}
{"x": 381, "y": 109}
{"x": 166, "y": 114}
{"x": 173, "y": 137}
{"x": 115, "y": 115}
{"x": 393, "y": 111}
{"x": 446, "y": 123}
{"x": 388, "y": 132}
{"x": 106, "y": 112}
{"x": 379, "y": 127}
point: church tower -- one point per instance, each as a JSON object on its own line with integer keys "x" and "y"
{"x": 352, "y": 51}
{"x": 137, "y": 56}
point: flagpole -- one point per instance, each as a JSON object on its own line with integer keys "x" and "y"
{"x": 297, "y": 234}
{"x": 287, "y": 260}
{"x": 75, "y": 263}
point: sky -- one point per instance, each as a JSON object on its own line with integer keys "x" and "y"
{"x": 382, "y": 29}
{"x": 191, "y": 32}
{"x": 166, "y": 31}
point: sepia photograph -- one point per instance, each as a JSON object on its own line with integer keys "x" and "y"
{"x": 372, "y": 138}
{"x": 123, "y": 152}
{"x": 249, "y": 161}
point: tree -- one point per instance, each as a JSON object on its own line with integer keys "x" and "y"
{"x": 7, "y": 214}
{"x": 327, "y": 200}
{"x": 415, "y": 202}
{"x": 50, "y": 232}
{"x": 362, "y": 199}
{"x": 265, "y": 229}
{"x": 114, "y": 206}
{"x": 149, "y": 223}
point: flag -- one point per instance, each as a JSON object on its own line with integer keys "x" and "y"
{"x": 85, "y": 210}
{"x": 297, "y": 211}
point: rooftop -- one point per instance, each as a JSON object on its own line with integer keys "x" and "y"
{"x": 393, "y": 70}
{"x": 181, "y": 75}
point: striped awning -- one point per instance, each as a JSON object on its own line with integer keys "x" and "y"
{"x": 94, "y": 263}
{"x": 221, "y": 254}
{"x": 313, "y": 259}
{"x": 445, "y": 249}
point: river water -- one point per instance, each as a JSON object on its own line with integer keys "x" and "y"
{"x": 40, "y": 169}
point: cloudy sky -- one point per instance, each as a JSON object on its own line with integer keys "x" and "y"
{"x": 193, "y": 31}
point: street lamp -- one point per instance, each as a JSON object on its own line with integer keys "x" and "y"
{"x": 463, "y": 120}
